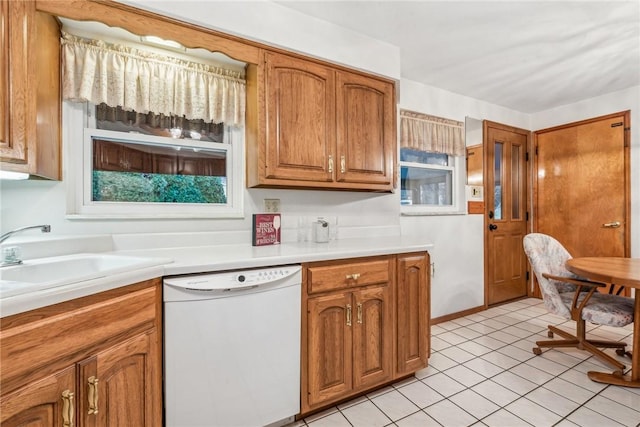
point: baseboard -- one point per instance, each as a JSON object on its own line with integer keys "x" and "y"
{"x": 457, "y": 315}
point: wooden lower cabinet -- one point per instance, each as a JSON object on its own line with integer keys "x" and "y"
{"x": 413, "y": 302}
{"x": 329, "y": 348}
{"x": 46, "y": 402}
{"x": 366, "y": 324}
{"x": 372, "y": 336}
{"x": 105, "y": 372}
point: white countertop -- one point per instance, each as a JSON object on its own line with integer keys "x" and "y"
{"x": 187, "y": 260}
{"x": 201, "y": 259}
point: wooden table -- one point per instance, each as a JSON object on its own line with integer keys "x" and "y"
{"x": 620, "y": 271}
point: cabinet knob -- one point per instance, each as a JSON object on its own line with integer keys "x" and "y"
{"x": 348, "y": 314}
{"x": 330, "y": 164}
{"x": 354, "y": 276}
{"x": 343, "y": 167}
{"x": 359, "y": 313}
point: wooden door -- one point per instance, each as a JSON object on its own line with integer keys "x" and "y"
{"x": 372, "y": 336}
{"x": 120, "y": 386}
{"x": 365, "y": 130}
{"x": 46, "y": 402}
{"x": 329, "y": 347}
{"x": 581, "y": 183}
{"x": 300, "y": 135}
{"x": 506, "y": 218}
{"x": 412, "y": 296}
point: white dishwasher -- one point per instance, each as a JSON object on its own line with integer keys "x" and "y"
{"x": 232, "y": 348}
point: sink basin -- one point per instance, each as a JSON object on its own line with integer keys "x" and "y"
{"x": 50, "y": 272}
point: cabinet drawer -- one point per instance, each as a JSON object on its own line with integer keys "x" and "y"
{"x": 340, "y": 276}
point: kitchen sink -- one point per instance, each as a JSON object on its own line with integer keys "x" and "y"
{"x": 44, "y": 273}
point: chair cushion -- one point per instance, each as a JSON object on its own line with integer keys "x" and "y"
{"x": 604, "y": 309}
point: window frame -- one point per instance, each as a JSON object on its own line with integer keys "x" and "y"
{"x": 77, "y": 135}
{"x": 457, "y": 167}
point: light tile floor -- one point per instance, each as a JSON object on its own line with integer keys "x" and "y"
{"x": 482, "y": 372}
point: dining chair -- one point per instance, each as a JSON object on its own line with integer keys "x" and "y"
{"x": 575, "y": 298}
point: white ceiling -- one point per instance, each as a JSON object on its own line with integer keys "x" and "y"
{"x": 528, "y": 56}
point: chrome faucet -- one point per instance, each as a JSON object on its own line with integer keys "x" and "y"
{"x": 45, "y": 229}
{"x": 11, "y": 255}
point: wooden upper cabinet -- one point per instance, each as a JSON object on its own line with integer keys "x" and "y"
{"x": 30, "y": 105}
{"x": 366, "y": 132}
{"x": 17, "y": 23}
{"x": 324, "y": 128}
{"x": 300, "y": 120}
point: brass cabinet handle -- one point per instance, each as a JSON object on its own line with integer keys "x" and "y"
{"x": 360, "y": 313}
{"x": 67, "y": 408}
{"x": 330, "y": 163}
{"x": 614, "y": 224}
{"x": 93, "y": 395}
{"x": 348, "y": 314}
{"x": 354, "y": 276}
{"x": 342, "y": 164}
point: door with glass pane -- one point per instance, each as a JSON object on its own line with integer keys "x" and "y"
{"x": 506, "y": 214}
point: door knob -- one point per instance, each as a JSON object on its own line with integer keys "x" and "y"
{"x": 614, "y": 224}
{"x": 492, "y": 227}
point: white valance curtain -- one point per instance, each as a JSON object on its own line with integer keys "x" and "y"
{"x": 431, "y": 134}
{"x": 100, "y": 72}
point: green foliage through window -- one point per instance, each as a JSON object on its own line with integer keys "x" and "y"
{"x": 135, "y": 187}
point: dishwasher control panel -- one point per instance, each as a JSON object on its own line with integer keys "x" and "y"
{"x": 229, "y": 281}
{"x": 256, "y": 277}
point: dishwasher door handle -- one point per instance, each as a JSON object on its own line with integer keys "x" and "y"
{"x": 240, "y": 289}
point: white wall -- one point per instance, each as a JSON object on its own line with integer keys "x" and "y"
{"x": 458, "y": 254}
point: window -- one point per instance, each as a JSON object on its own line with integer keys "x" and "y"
{"x": 133, "y": 175}
{"x": 150, "y": 132}
{"x": 428, "y": 182}
{"x": 431, "y": 166}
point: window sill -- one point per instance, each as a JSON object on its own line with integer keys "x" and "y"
{"x": 443, "y": 213}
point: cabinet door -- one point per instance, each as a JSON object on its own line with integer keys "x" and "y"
{"x": 365, "y": 131}
{"x": 413, "y": 310}
{"x": 300, "y": 122}
{"x": 165, "y": 164}
{"x": 29, "y": 90}
{"x": 46, "y": 402}
{"x": 372, "y": 336}
{"x": 16, "y": 108}
{"x": 329, "y": 347}
{"x": 121, "y": 384}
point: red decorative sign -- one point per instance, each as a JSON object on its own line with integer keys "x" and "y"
{"x": 266, "y": 229}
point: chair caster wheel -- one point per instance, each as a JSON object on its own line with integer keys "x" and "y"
{"x": 550, "y": 334}
{"x": 537, "y": 351}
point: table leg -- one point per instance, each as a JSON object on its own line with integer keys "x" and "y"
{"x": 633, "y": 379}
